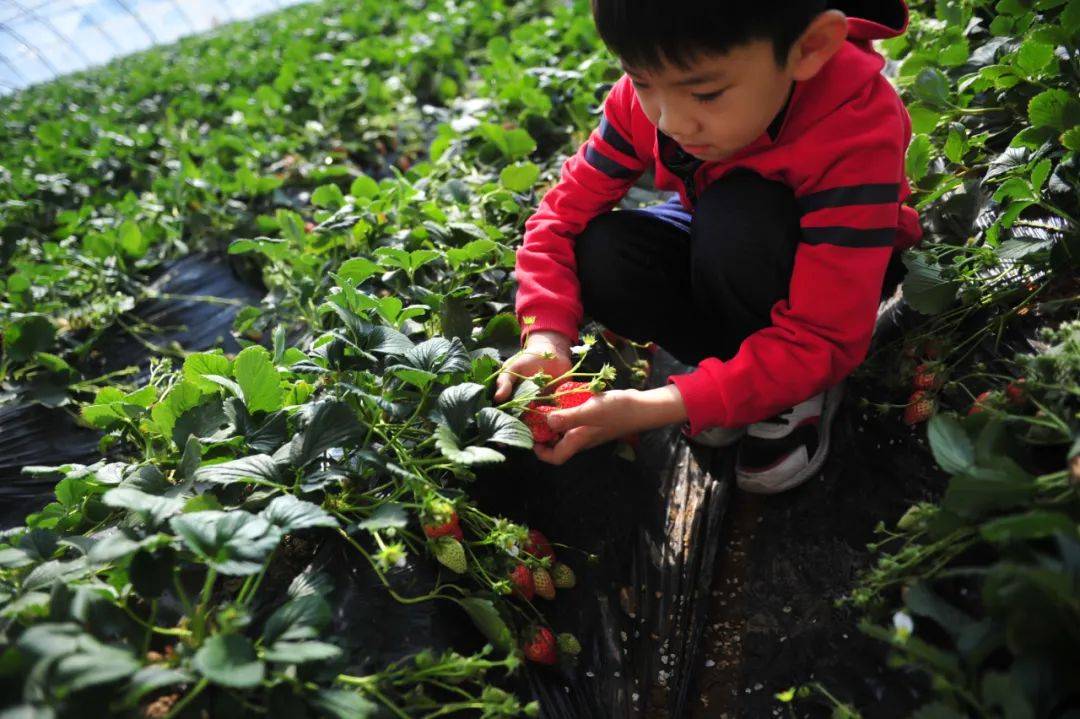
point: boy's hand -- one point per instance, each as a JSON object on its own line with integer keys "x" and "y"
{"x": 531, "y": 360}
{"x": 611, "y": 415}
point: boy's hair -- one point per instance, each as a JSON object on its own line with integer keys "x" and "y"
{"x": 650, "y": 33}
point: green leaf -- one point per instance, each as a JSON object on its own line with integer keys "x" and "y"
{"x": 1054, "y": 108}
{"x": 450, "y": 446}
{"x": 273, "y": 248}
{"x": 93, "y": 663}
{"x": 132, "y": 240}
{"x": 229, "y": 660}
{"x": 918, "y": 158}
{"x": 297, "y": 620}
{"x": 458, "y": 404}
{"x": 358, "y": 269}
{"x": 255, "y": 373}
{"x": 984, "y": 489}
{"x": 952, "y": 448}
{"x": 330, "y": 424}
{"x": 390, "y": 514}
{"x": 152, "y": 508}
{"x": 256, "y": 468}
{"x": 342, "y": 704}
{"x": 200, "y": 364}
{"x": 488, "y": 620}
{"x": 364, "y": 186}
{"x": 1035, "y": 524}
{"x": 498, "y": 426}
{"x": 924, "y": 289}
{"x": 519, "y": 177}
{"x": 328, "y": 196}
{"x": 26, "y": 335}
{"x": 289, "y": 514}
{"x": 1071, "y": 139}
{"x": 932, "y": 87}
{"x": 301, "y": 652}
{"x": 151, "y": 678}
{"x": 1034, "y": 57}
{"x": 234, "y": 542}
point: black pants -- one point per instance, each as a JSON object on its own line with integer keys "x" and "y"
{"x": 700, "y": 284}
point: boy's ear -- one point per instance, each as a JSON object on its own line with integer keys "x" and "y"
{"x": 823, "y": 37}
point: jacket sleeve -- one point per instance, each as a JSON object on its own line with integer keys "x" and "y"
{"x": 593, "y": 180}
{"x": 850, "y": 209}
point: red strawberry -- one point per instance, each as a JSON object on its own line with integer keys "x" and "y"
{"x": 543, "y": 583}
{"x": 540, "y": 647}
{"x": 980, "y": 404}
{"x": 926, "y": 377}
{"x": 572, "y": 394}
{"x": 451, "y": 527}
{"x": 1016, "y": 393}
{"x": 920, "y": 408}
{"x": 538, "y": 545}
{"x": 309, "y": 227}
{"x": 522, "y": 580}
{"x": 535, "y": 416}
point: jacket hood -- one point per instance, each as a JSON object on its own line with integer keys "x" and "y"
{"x": 873, "y": 19}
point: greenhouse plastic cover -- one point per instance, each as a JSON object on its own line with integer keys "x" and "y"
{"x": 43, "y": 39}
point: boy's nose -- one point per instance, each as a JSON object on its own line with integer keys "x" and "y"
{"x": 674, "y": 125}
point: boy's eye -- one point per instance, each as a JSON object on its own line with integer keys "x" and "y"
{"x": 708, "y": 96}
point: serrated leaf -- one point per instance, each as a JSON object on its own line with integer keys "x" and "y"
{"x": 298, "y": 619}
{"x": 519, "y": 177}
{"x": 488, "y": 620}
{"x": 449, "y": 444}
{"x": 498, "y": 426}
{"x": 457, "y": 405}
{"x": 200, "y": 364}
{"x": 255, "y": 373}
{"x": 290, "y": 514}
{"x": 229, "y": 660}
{"x": 924, "y": 289}
{"x": 389, "y": 514}
{"x": 342, "y": 704}
{"x": 952, "y": 448}
{"x": 331, "y": 424}
{"x": 256, "y": 468}
{"x": 234, "y": 542}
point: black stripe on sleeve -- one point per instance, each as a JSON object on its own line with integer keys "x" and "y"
{"x": 849, "y": 236}
{"x": 612, "y": 137}
{"x": 850, "y": 195}
{"x": 606, "y": 165}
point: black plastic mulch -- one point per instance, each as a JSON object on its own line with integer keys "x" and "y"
{"x": 34, "y": 435}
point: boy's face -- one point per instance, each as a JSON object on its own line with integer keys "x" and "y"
{"x": 720, "y": 104}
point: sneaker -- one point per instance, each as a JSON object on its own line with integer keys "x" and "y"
{"x": 784, "y": 451}
{"x": 714, "y": 436}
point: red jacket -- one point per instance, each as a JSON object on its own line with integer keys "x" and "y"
{"x": 840, "y": 146}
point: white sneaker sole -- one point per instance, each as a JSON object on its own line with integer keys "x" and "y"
{"x": 760, "y": 484}
{"x": 722, "y": 438}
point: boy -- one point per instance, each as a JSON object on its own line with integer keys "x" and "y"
{"x": 785, "y": 144}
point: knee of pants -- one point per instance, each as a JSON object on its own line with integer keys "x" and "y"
{"x": 594, "y": 252}
{"x": 745, "y": 229}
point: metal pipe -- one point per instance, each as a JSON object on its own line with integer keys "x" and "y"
{"x": 139, "y": 20}
{"x": 32, "y": 14}
{"x": 32, "y": 48}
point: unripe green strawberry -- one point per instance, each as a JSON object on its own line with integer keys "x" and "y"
{"x": 535, "y": 417}
{"x": 563, "y": 576}
{"x": 451, "y": 554}
{"x": 543, "y": 583}
{"x": 540, "y": 646}
{"x": 568, "y": 644}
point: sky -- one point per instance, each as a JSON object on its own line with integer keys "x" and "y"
{"x": 41, "y": 39}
